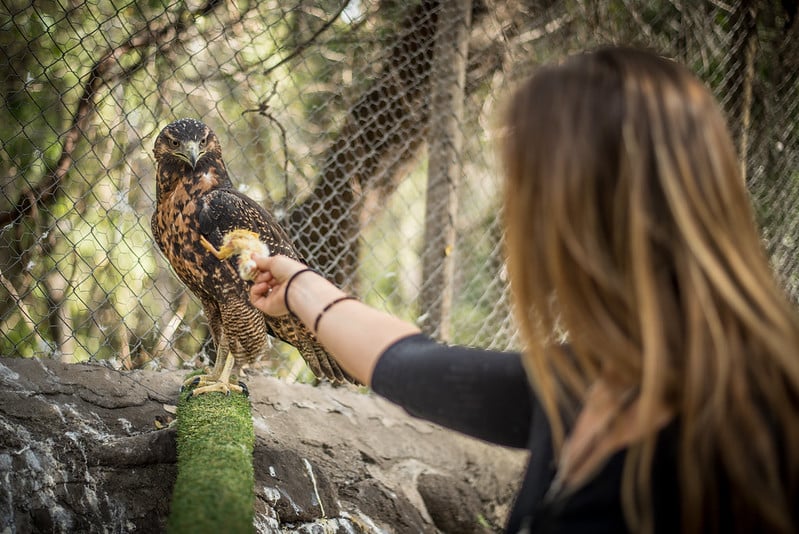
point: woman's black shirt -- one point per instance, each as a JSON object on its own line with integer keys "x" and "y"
{"x": 486, "y": 394}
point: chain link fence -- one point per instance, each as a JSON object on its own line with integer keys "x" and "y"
{"x": 365, "y": 126}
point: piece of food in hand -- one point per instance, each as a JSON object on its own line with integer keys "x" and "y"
{"x": 241, "y": 243}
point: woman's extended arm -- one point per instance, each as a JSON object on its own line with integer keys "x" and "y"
{"x": 481, "y": 393}
{"x": 354, "y": 333}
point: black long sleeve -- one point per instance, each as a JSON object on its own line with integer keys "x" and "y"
{"x": 484, "y": 394}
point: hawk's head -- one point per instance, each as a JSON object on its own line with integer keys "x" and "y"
{"x": 186, "y": 140}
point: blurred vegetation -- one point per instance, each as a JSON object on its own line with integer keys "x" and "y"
{"x": 87, "y": 87}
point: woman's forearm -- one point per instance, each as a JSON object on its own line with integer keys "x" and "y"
{"x": 354, "y": 333}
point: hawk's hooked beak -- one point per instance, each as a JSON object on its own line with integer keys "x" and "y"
{"x": 193, "y": 152}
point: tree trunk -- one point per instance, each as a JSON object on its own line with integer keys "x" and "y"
{"x": 444, "y": 166}
{"x": 744, "y": 53}
{"x": 384, "y": 130}
{"x": 382, "y": 133}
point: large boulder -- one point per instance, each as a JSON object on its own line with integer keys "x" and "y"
{"x": 86, "y": 448}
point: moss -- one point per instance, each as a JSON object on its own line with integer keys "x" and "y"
{"x": 214, "y": 490}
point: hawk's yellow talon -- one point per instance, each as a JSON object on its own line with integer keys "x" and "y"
{"x": 217, "y": 380}
{"x": 220, "y": 387}
{"x": 206, "y": 372}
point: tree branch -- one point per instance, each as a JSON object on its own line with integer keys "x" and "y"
{"x": 301, "y": 48}
{"x": 25, "y": 313}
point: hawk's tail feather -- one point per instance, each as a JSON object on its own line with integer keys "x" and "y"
{"x": 313, "y": 364}
{"x": 323, "y": 364}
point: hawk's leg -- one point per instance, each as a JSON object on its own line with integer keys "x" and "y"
{"x": 218, "y": 379}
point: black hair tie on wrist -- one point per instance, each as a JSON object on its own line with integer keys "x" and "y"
{"x": 326, "y": 308}
{"x": 288, "y": 283}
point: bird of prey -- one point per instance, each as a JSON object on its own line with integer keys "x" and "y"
{"x": 196, "y": 207}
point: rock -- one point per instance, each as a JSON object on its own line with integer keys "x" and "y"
{"x": 84, "y": 448}
{"x": 453, "y": 505}
{"x": 390, "y": 508}
{"x": 296, "y": 491}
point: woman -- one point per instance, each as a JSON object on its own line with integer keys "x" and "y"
{"x": 662, "y": 358}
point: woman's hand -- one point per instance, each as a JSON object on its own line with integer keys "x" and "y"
{"x": 268, "y": 290}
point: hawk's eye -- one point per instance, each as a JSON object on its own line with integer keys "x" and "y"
{"x": 203, "y": 141}
{"x": 174, "y": 142}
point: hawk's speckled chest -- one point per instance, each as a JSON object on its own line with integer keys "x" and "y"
{"x": 177, "y": 219}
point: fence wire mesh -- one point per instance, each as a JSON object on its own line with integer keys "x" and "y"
{"x": 326, "y": 112}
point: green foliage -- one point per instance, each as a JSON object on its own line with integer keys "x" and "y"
{"x": 214, "y": 489}
{"x": 391, "y": 263}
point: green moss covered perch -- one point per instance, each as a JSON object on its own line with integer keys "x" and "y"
{"x": 214, "y": 490}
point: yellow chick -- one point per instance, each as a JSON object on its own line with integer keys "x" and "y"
{"x": 243, "y": 243}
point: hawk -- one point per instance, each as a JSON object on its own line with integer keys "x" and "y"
{"x": 196, "y": 207}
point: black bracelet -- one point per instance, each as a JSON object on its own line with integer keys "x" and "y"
{"x": 326, "y": 308}
{"x": 288, "y": 283}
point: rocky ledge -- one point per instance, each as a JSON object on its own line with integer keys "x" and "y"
{"x": 86, "y": 448}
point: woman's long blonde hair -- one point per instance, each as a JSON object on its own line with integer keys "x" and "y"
{"x": 630, "y": 229}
